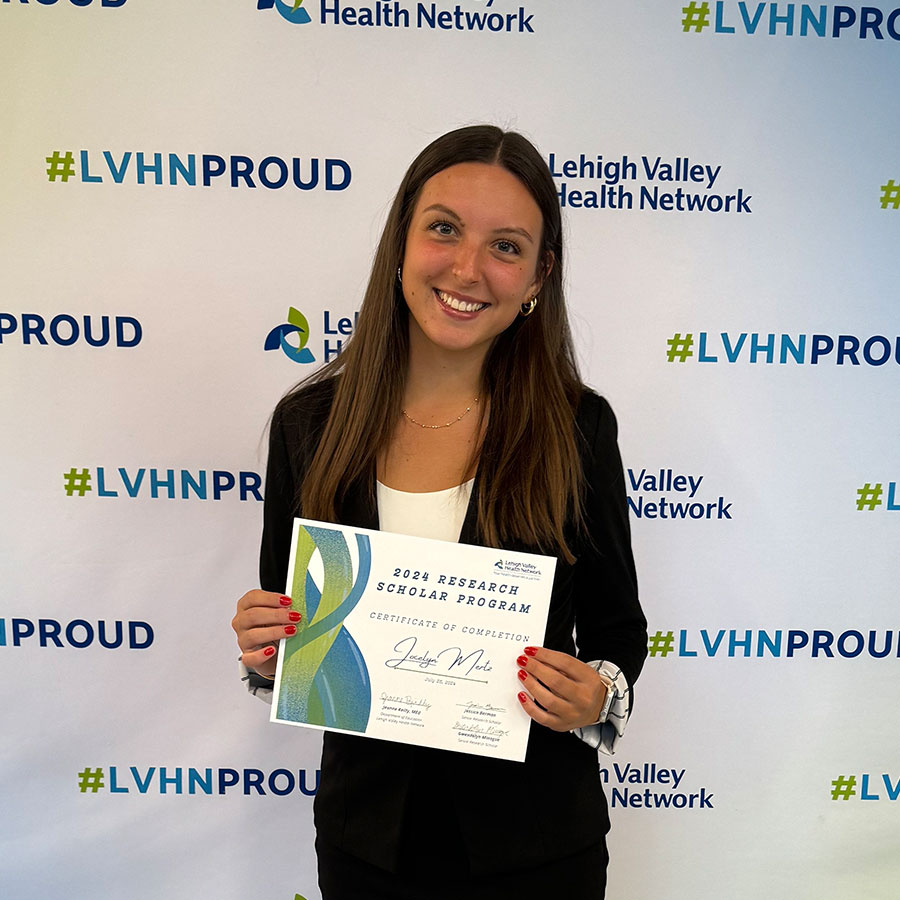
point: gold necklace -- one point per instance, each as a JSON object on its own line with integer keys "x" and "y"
{"x": 446, "y": 424}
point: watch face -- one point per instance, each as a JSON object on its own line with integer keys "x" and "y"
{"x": 607, "y": 702}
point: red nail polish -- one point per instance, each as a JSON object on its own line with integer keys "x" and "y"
{"x": 522, "y": 696}
{"x": 268, "y": 651}
{"x": 522, "y": 675}
{"x": 290, "y": 629}
{"x": 294, "y": 616}
{"x": 531, "y": 651}
{"x": 522, "y": 660}
{"x": 284, "y": 601}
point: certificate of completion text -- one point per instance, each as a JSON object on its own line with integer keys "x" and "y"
{"x": 410, "y": 639}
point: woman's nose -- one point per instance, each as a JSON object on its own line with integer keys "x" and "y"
{"x": 467, "y": 265}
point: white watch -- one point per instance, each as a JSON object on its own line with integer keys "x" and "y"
{"x": 608, "y": 700}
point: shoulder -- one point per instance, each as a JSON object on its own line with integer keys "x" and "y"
{"x": 308, "y": 403}
{"x": 300, "y": 416}
{"x": 594, "y": 417}
{"x": 597, "y": 434}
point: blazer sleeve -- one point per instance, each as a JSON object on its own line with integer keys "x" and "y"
{"x": 294, "y": 433}
{"x": 609, "y": 622}
{"x": 278, "y": 507}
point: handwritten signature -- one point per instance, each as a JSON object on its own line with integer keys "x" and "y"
{"x": 449, "y": 660}
{"x": 483, "y": 730}
{"x": 486, "y": 707}
{"x": 405, "y": 700}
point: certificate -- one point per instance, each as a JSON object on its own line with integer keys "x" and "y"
{"x": 410, "y": 639}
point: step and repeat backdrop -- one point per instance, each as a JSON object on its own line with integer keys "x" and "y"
{"x": 191, "y": 195}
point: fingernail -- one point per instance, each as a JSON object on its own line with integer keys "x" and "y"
{"x": 268, "y": 651}
{"x": 522, "y": 696}
{"x": 531, "y": 651}
{"x": 522, "y": 675}
{"x": 522, "y": 660}
{"x": 294, "y": 616}
{"x": 285, "y": 601}
{"x": 290, "y": 629}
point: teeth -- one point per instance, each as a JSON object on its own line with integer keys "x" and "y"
{"x": 460, "y": 305}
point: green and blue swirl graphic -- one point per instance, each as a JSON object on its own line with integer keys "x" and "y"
{"x": 324, "y": 676}
{"x": 292, "y": 11}
{"x": 296, "y": 324}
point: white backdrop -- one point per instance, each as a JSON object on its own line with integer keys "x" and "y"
{"x": 117, "y": 763}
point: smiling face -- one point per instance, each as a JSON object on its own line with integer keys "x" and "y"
{"x": 472, "y": 257}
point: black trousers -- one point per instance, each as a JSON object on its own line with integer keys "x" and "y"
{"x": 342, "y": 876}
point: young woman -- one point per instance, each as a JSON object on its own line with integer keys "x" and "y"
{"x": 456, "y": 412}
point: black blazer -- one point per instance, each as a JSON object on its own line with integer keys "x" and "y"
{"x": 511, "y": 815}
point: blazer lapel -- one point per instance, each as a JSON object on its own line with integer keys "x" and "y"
{"x": 469, "y": 532}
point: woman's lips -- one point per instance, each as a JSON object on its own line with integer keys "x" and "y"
{"x": 457, "y": 304}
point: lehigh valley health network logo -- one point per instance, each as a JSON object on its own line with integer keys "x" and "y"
{"x": 293, "y": 11}
{"x": 296, "y": 324}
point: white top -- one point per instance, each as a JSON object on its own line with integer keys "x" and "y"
{"x": 429, "y": 514}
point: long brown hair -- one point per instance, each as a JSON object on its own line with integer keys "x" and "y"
{"x": 530, "y": 478}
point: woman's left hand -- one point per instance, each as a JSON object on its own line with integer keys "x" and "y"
{"x": 571, "y": 693}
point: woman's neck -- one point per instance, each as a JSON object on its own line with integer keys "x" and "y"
{"x": 434, "y": 444}
{"x": 440, "y": 378}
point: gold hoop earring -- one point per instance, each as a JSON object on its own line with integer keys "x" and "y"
{"x": 528, "y": 308}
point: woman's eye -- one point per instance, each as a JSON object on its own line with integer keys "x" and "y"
{"x": 507, "y": 247}
{"x": 445, "y": 229}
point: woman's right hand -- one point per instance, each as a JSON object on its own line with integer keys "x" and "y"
{"x": 262, "y": 619}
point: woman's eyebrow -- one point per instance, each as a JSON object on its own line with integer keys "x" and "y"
{"x": 438, "y": 207}
{"x": 515, "y": 230}
{"x": 511, "y": 229}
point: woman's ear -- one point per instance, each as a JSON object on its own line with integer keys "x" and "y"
{"x": 545, "y": 267}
